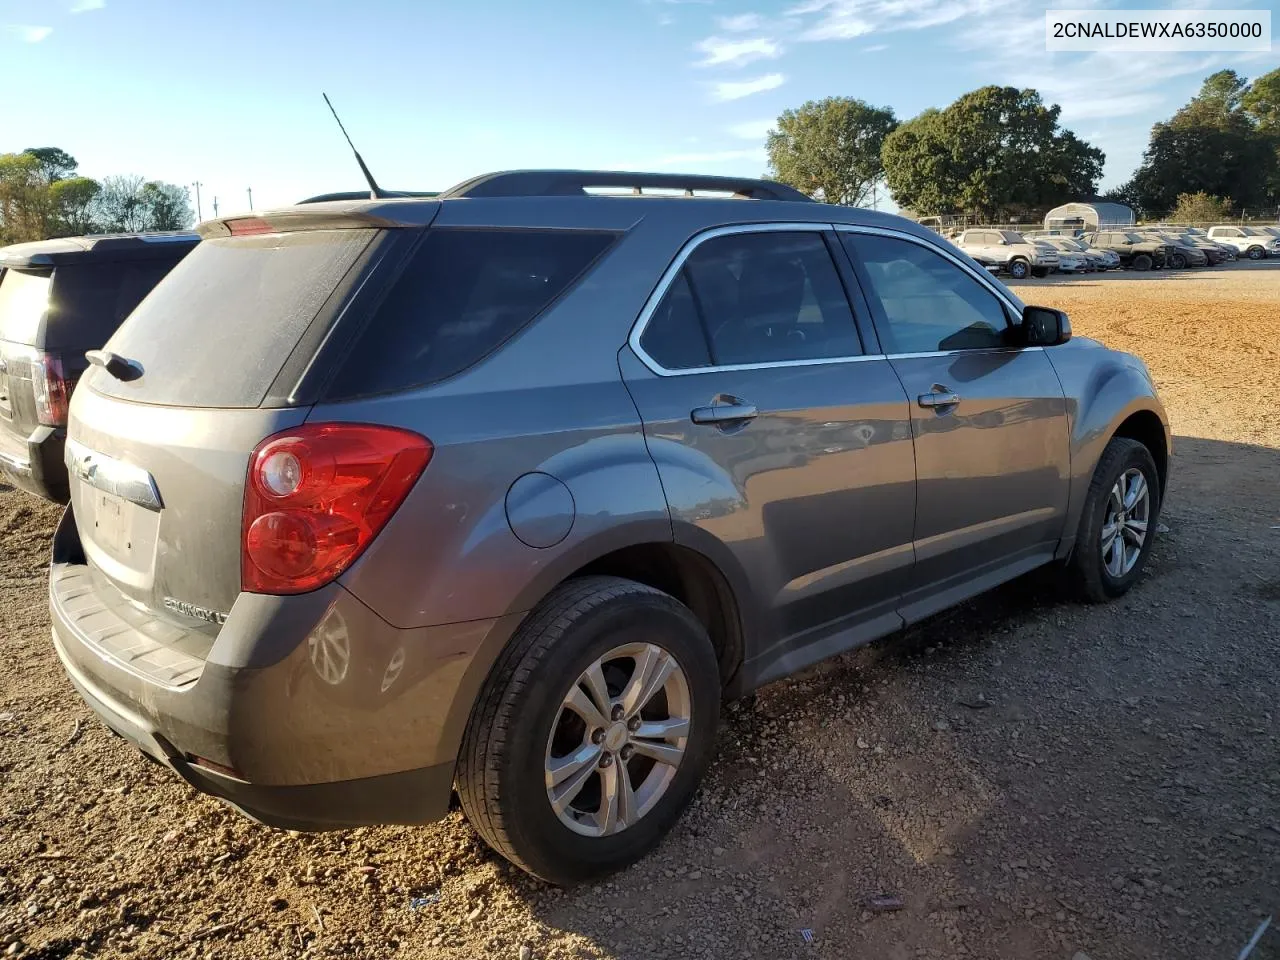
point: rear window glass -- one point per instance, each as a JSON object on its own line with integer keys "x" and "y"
{"x": 91, "y": 300}
{"x": 464, "y": 293}
{"x": 24, "y": 297}
{"x": 217, "y": 331}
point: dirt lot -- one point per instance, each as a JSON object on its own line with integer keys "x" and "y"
{"x": 1032, "y": 777}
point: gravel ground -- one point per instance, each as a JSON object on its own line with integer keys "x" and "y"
{"x": 1029, "y": 777}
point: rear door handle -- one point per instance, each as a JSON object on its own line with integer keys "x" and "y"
{"x": 938, "y": 398}
{"x": 734, "y": 411}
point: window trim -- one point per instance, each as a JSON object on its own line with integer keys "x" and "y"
{"x": 982, "y": 277}
{"x": 673, "y": 271}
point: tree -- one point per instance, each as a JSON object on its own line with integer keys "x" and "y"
{"x": 996, "y": 153}
{"x": 831, "y": 149}
{"x": 55, "y": 163}
{"x": 73, "y": 200}
{"x": 1262, "y": 102}
{"x": 168, "y": 206}
{"x": 22, "y": 215}
{"x": 1211, "y": 145}
{"x": 1200, "y": 208}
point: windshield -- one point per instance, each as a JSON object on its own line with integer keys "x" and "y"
{"x": 1134, "y": 237}
{"x": 1012, "y": 236}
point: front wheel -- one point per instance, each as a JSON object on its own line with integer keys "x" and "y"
{"x": 1256, "y": 253}
{"x": 1118, "y": 523}
{"x": 593, "y": 731}
{"x": 1178, "y": 261}
{"x": 1019, "y": 268}
{"x": 1142, "y": 262}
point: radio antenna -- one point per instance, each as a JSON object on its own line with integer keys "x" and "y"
{"x": 375, "y": 191}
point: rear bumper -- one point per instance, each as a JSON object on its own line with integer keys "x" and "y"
{"x": 412, "y": 796}
{"x": 34, "y": 463}
{"x": 307, "y": 728}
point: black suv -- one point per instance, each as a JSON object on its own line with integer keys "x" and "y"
{"x": 58, "y": 299}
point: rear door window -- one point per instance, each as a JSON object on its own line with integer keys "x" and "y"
{"x": 463, "y": 294}
{"x": 218, "y": 330}
{"x": 91, "y": 300}
{"x": 24, "y": 298}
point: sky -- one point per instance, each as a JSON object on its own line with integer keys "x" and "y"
{"x": 227, "y": 93}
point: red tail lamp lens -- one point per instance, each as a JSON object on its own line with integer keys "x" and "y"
{"x": 317, "y": 495}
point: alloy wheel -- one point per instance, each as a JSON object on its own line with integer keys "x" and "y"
{"x": 1124, "y": 532}
{"x": 618, "y": 739}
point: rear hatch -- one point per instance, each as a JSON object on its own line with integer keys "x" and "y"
{"x": 24, "y": 297}
{"x": 158, "y": 462}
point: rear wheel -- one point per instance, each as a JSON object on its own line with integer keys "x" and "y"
{"x": 1118, "y": 523}
{"x": 1019, "y": 268}
{"x": 593, "y": 731}
{"x": 1256, "y": 253}
{"x": 1142, "y": 262}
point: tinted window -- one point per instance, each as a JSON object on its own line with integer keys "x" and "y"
{"x": 91, "y": 300}
{"x": 24, "y": 297}
{"x": 674, "y": 336}
{"x": 220, "y": 327}
{"x": 767, "y": 298}
{"x": 929, "y": 303}
{"x": 464, "y": 293}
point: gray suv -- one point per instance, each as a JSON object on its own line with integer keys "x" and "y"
{"x": 507, "y": 489}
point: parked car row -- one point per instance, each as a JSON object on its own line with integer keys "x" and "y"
{"x": 1037, "y": 253}
{"x": 506, "y": 489}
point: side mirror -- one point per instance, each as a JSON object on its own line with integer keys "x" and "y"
{"x": 1044, "y": 327}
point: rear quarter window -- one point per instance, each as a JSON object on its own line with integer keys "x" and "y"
{"x": 462, "y": 295}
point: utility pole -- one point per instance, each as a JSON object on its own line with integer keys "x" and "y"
{"x": 199, "y": 211}
{"x": 250, "y": 191}
{"x": 215, "y": 206}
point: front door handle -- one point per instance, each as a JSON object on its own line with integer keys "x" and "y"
{"x": 728, "y": 411}
{"x": 938, "y": 398}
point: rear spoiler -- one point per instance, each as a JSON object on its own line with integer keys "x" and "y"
{"x": 340, "y": 215}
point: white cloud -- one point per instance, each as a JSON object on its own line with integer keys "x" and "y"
{"x": 875, "y": 48}
{"x": 84, "y": 6}
{"x": 27, "y": 33}
{"x": 751, "y": 129}
{"x": 737, "y": 89}
{"x": 742, "y": 23}
{"x": 710, "y": 157}
{"x": 665, "y": 20}
{"x": 846, "y": 19}
{"x": 721, "y": 51}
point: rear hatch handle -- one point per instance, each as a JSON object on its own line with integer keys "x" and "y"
{"x": 122, "y": 368}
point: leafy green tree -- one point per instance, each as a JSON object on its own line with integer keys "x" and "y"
{"x": 22, "y": 215}
{"x": 831, "y": 149}
{"x": 55, "y": 163}
{"x": 1211, "y": 145}
{"x": 1200, "y": 208}
{"x": 1262, "y": 101}
{"x": 168, "y": 206}
{"x": 73, "y": 201}
{"x": 996, "y": 153}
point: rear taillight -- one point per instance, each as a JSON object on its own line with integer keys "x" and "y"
{"x": 52, "y": 389}
{"x": 317, "y": 495}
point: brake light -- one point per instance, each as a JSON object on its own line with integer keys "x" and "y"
{"x": 249, "y": 226}
{"x": 52, "y": 389}
{"x": 317, "y": 495}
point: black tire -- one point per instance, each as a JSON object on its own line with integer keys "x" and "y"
{"x": 1141, "y": 262}
{"x": 1039, "y": 272}
{"x": 1178, "y": 261}
{"x": 1088, "y": 572}
{"x": 1019, "y": 268}
{"x": 500, "y": 775}
{"x": 1256, "y": 252}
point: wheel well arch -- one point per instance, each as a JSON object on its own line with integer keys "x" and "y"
{"x": 692, "y": 579}
{"x": 1146, "y": 427}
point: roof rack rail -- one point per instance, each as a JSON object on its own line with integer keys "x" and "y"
{"x": 364, "y": 195}
{"x": 575, "y": 183}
